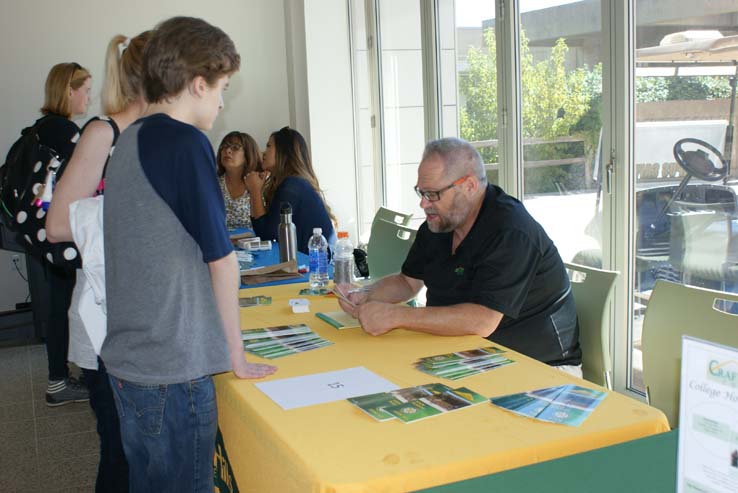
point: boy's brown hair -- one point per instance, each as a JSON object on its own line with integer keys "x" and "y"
{"x": 182, "y": 48}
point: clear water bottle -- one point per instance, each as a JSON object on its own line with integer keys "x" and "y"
{"x": 318, "y": 249}
{"x": 343, "y": 260}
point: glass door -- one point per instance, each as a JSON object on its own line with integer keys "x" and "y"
{"x": 561, "y": 59}
{"x": 686, "y": 217}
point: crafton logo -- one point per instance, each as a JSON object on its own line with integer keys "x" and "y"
{"x": 725, "y": 372}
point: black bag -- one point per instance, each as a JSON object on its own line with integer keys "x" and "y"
{"x": 16, "y": 175}
{"x": 26, "y": 183}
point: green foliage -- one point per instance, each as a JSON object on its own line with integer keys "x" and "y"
{"x": 702, "y": 87}
{"x": 556, "y": 103}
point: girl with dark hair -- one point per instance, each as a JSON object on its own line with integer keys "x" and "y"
{"x": 288, "y": 177}
{"x": 238, "y": 155}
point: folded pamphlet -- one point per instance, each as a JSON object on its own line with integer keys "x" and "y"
{"x": 339, "y": 320}
{"x": 455, "y": 366}
{"x": 275, "y": 342}
{"x": 415, "y": 403}
{"x": 565, "y": 404}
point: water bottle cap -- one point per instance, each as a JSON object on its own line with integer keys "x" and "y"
{"x": 317, "y": 231}
{"x": 342, "y": 234}
{"x": 285, "y": 208}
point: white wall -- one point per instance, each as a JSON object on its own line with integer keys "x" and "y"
{"x": 331, "y": 117}
{"x": 36, "y": 34}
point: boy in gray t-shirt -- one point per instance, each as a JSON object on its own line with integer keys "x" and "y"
{"x": 171, "y": 274}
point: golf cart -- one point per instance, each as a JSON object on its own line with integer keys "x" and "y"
{"x": 686, "y": 209}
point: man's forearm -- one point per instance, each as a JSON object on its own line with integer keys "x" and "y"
{"x": 456, "y": 320}
{"x": 392, "y": 289}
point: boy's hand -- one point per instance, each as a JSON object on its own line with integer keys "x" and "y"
{"x": 244, "y": 369}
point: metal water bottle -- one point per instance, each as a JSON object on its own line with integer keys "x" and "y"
{"x": 287, "y": 234}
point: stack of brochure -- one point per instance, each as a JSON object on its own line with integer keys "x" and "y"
{"x": 415, "y": 403}
{"x": 245, "y": 260}
{"x": 275, "y": 342}
{"x": 565, "y": 404}
{"x": 464, "y": 363}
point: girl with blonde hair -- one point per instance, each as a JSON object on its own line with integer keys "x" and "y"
{"x": 123, "y": 103}
{"x": 66, "y": 95}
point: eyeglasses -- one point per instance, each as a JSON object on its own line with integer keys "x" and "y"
{"x": 435, "y": 195}
{"x": 232, "y": 147}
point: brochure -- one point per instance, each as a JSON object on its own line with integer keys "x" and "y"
{"x": 245, "y": 261}
{"x": 707, "y": 457}
{"x": 339, "y": 320}
{"x": 314, "y": 292}
{"x": 275, "y": 342}
{"x": 250, "y": 301}
{"x": 455, "y": 366}
{"x": 280, "y": 330}
{"x": 469, "y": 355}
{"x": 565, "y": 404}
{"x": 414, "y": 403}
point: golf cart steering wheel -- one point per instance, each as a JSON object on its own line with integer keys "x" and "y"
{"x": 698, "y": 163}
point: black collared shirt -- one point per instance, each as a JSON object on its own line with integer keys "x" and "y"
{"x": 506, "y": 263}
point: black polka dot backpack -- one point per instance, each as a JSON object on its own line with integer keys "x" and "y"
{"x": 26, "y": 198}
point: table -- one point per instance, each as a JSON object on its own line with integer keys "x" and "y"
{"x": 335, "y": 447}
{"x": 647, "y": 464}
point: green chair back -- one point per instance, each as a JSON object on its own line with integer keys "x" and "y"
{"x": 592, "y": 296}
{"x": 675, "y": 310}
{"x": 388, "y": 247}
{"x": 393, "y": 216}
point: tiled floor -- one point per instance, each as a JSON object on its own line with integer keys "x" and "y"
{"x": 42, "y": 449}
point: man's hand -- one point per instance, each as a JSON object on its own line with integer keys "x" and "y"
{"x": 356, "y": 297}
{"x": 244, "y": 369}
{"x": 377, "y": 318}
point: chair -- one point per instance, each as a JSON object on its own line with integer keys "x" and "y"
{"x": 388, "y": 247}
{"x": 591, "y": 296}
{"x": 393, "y": 216}
{"x": 675, "y": 310}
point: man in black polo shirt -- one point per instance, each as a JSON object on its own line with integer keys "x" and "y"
{"x": 489, "y": 267}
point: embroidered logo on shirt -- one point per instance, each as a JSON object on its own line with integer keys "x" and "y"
{"x": 459, "y": 271}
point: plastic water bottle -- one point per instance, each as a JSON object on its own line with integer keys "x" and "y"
{"x": 343, "y": 260}
{"x": 318, "y": 249}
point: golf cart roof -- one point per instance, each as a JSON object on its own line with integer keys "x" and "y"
{"x": 701, "y": 47}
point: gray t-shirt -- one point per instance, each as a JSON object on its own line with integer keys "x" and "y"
{"x": 164, "y": 220}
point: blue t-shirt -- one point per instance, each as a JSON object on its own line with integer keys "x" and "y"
{"x": 186, "y": 179}
{"x": 308, "y": 212}
{"x": 163, "y": 220}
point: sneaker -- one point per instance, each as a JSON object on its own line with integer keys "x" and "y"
{"x": 65, "y": 391}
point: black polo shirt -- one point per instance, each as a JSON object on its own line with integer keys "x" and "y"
{"x": 509, "y": 264}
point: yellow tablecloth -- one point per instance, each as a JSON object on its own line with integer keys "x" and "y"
{"x": 335, "y": 447}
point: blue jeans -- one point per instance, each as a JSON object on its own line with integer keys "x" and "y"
{"x": 168, "y": 434}
{"x": 112, "y": 472}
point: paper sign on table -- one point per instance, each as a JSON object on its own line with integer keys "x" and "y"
{"x": 308, "y": 390}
